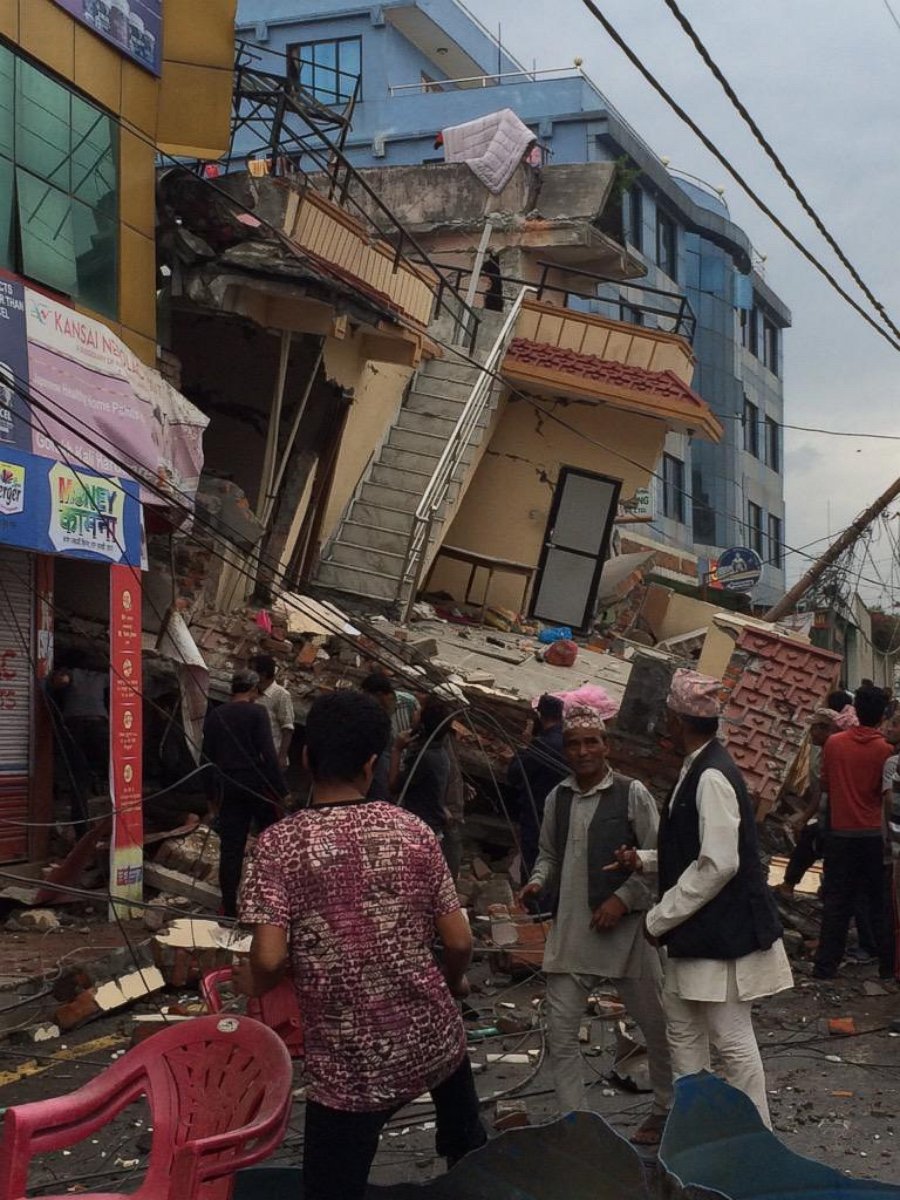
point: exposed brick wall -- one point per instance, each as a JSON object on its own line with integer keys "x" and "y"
{"x": 773, "y": 684}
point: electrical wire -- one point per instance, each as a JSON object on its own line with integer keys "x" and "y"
{"x": 741, "y": 108}
{"x": 278, "y": 574}
{"x": 893, "y": 15}
{"x": 682, "y": 114}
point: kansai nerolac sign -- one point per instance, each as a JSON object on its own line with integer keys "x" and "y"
{"x": 134, "y": 27}
{"x": 71, "y": 390}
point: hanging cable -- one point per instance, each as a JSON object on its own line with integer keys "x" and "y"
{"x": 735, "y": 174}
{"x": 729, "y": 91}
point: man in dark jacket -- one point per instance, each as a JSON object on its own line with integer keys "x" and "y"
{"x": 247, "y": 782}
{"x": 715, "y": 915}
{"x": 534, "y": 773}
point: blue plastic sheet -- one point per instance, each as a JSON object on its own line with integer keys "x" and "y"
{"x": 558, "y": 633}
{"x": 716, "y": 1145}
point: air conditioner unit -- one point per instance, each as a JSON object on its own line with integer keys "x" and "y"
{"x": 378, "y": 146}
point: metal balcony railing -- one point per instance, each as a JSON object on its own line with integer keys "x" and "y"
{"x": 295, "y": 134}
{"x": 437, "y": 490}
{"x": 672, "y": 306}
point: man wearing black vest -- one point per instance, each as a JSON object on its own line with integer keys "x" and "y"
{"x": 715, "y": 915}
{"x": 598, "y": 914}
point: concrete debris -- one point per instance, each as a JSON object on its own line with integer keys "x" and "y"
{"x": 606, "y": 1006}
{"x": 45, "y": 1031}
{"x": 177, "y": 883}
{"x": 510, "y": 1114}
{"x": 871, "y": 987}
{"x": 44, "y": 920}
{"x": 481, "y": 870}
{"x": 503, "y": 931}
{"x": 196, "y": 855}
{"x": 162, "y": 910}
{"x": 495, "y": 892}
{"x": 122, "y": 991}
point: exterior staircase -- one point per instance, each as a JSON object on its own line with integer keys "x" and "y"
{"x": 369, "y": 555}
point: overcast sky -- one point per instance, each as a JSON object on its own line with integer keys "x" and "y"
{"x": 822, "y": 80}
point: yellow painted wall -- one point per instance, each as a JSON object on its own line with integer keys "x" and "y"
{"x": 377, "y": 391}
{"x": 197, "y": 58}
{"x": 505, "y": 510}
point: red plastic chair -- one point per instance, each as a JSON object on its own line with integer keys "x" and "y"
{"x": 219, "y": 1090}
{"x": 278, "y": 1009}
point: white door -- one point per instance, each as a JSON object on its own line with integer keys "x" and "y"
{"x": 575, "y": 547}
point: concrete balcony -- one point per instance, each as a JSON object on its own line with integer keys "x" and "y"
{"x": 321, "y": 229}
{"x": 614, "y": 341}
{"x": 561, "y": 352}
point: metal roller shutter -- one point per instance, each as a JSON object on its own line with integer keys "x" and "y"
{"x": 16, "y": 693}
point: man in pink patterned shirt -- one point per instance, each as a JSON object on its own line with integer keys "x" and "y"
{"x": 354, "y": 892}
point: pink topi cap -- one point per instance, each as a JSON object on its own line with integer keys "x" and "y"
{"x": 695, "y": 695}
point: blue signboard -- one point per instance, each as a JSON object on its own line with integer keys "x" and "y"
{"x": 739, "y": 569}
{"x": 54, "y": 508}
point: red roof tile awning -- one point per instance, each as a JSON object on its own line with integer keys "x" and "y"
{"x": 660, "y": 394}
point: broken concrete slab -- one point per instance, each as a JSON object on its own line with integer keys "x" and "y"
{"x": 127, "y": 988}
{"x": 177, "y": 883}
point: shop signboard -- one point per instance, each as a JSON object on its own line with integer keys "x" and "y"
{"x": 71, "y": 390}
{"x": 54, "y": 508}
{"x": 134, "y": 27}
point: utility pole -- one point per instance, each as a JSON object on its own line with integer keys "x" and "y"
{"x": 834, "y": 551}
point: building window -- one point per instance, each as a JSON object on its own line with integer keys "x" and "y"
{"x": 328, "y": 70}
{"x": 755, "y": 527}
{"x": 636, "y": 217}
{"x": 773, "y": 445}
{"x": 751, "y": 428}
{"x": 666, "y": 244}
{"x": 673, "y": 488}
{"x": 770, "y": 345}
{"x": 776, "y": 546}
{"x": 59, "y": 194}
{"x": 749, "y": 326}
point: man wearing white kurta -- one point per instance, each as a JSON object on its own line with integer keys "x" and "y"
{"x": 715, "y": 915}
{"x": 598, "y": 916}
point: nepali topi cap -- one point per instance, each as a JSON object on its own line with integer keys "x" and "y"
{"x": 694, "y": 695}
{"x": 582, "y": 716}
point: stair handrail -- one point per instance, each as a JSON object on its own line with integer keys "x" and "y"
{"x": 457, "y": 443}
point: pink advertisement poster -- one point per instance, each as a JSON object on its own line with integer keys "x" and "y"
{"x": 71, "y": 390}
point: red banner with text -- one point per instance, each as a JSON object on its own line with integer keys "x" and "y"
{"x": 125, "y": 736}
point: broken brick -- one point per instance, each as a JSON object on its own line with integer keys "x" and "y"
{"x": 78, "y": 1011}
{"x": 510, "y": 1114}
{"x": 71, "y": 984}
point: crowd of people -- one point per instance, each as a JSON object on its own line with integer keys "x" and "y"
{"x": 354, "y": 895}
